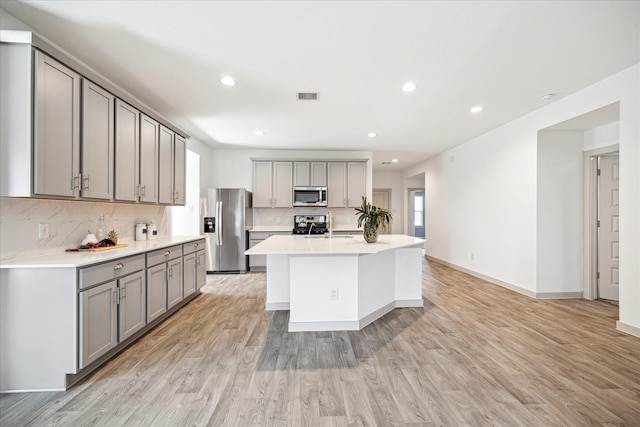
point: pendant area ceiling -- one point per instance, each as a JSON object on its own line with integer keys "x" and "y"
{"x": 357, "y": 55}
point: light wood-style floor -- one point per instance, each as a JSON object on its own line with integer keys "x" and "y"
{"x": 475, "y": 355}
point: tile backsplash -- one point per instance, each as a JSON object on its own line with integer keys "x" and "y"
{"x": 344, "y": 218}
{"x": 68, "y": 222}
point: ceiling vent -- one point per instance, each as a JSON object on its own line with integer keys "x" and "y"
{"x": 386, "y": 163}
{"x": 307, "y": 96}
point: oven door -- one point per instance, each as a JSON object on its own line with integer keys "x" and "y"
{"x": 309, "y": 196}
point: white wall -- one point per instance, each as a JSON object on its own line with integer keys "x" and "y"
{"x": 602, "y": 136}
{"x": 559, "y": 212}
{"x": 482, "y": 196}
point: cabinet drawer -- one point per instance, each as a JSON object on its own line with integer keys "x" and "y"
{"x": 163, "y": 255}
{"x": 91, "y": 276}
{"x": 191, "y": 247}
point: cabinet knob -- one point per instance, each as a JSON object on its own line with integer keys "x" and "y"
{"x": 167, "y": 253}
{"x": 118, "y": 266}
{"x": 196, "y": 245}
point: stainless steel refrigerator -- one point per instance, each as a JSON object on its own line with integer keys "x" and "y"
{"x": 226, "y": 219}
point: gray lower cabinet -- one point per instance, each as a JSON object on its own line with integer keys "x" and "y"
{"x": 194, "y": 266}
{"x": 190, "y": 275}
{"x": 112, "y": 305}
{"x": 98, "y": 322}
{"x": 156, "y": 291}
{"x": 201, "y": 269}
{"x": 165, "y": 277}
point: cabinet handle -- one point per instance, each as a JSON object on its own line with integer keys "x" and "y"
{"x": 167, "y": 253}
{"x": 75, "y": 182}
{"x": 196, "y": 245}
{"x": 118, "y": 266}
{"x": 170, "y": 272}
{"x": 86, "y": 179}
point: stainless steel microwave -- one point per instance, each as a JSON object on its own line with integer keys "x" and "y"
{"x": 309, "y": 196}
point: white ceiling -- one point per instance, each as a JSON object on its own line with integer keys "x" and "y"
{"x": 503, "y": 55}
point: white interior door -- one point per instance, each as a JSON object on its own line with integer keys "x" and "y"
{"x": 608, "y": 240}
{"x": 381, "y": 199}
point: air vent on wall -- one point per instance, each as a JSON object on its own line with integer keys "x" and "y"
{"x": 307, "y": 96}
{"x": 386, "y": 163}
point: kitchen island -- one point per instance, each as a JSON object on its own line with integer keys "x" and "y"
{"x": 341, "y": 283}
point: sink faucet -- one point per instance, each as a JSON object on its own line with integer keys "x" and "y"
{"x": 310, "y": 228}
{"x": 330, "y": 224}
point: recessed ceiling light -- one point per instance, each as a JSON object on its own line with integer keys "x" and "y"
{"x": 372, "y": 134}
{"x": 394, "y": 160}
{"x": 547, "y": 96}
{"x": 476, "y": 109}
{"x": 227, "y": 81}
{"x": 259, "y": 133}
{"x": 409, "y": 87}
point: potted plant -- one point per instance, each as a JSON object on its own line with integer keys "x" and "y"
{"x": 113, "y": 236}
{"x": 373, "y": 218}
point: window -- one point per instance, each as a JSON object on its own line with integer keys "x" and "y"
{"x": 418, "y": 211}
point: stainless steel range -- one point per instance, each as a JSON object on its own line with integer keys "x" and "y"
{"x": 309, "y": 224}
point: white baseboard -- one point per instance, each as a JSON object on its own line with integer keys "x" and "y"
{"x": 276, "y": 306}
{"x": 324, "y": 326}
{"x": 404, "y": 303}
{"x": 495, "y": 281}
{"x": 628, "y": 329}
{"x": 510, "y": 286}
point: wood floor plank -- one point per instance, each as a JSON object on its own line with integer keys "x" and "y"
{"x": 474, "y": 355}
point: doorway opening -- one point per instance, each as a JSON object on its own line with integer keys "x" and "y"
{"x": 602, "y": 170}
{"x": 416, "y": 212}
{"x": 381, "y": 197}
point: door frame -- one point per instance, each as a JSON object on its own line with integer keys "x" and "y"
{"x": 590, "y": 219}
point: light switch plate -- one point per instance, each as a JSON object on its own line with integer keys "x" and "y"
{"x": 43, "y": 230}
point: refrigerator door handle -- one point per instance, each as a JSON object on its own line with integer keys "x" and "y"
{"x": 219, "y": 234}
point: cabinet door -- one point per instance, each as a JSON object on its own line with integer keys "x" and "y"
{"x": 132, "y": 304}
{"x": 149, "y": 134}
{"x": 318, "y": 174}
{"x": 179, "y": 171}
{"x": 56, "y": 129}
{"x": 97, "y": 142}
{"x": 174, "y": 282}
{"x": 282, "y": 184}
{"x": 356, "y": 184}
{"x": 127, "y": 152}
{"x": 337, "y": 184}
{"x": 262, "y": 197}
{"x": 165, "y": 170}
{"x": 190, "y": 275}
{"x": 98, "y": 322}
{"x": 156, "y": 291}
{"x": 301, "y": 174}
{"x": 201, "y": 269}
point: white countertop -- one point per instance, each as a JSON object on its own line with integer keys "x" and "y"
{"x": 302, "y": 245}
{"x": 82, "y": 259}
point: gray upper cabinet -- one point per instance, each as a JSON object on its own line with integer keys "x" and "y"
{"x": 127, "y": 152}
{"x": 310, "y": 174}
{"x": 97, "y": 142}
{"x": 262, "y": 189}
{"x": 65, "y": 136}
{"x": 56, "y": 129}
{"x": 179, "y": 171}
{"x": 356, "y": 183}
{"x": 337, "y": 184}
{"x": 149, "y": 155}
{"x": 165, "y": 171}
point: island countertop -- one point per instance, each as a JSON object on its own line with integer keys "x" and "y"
{"x": 315, "y": 245}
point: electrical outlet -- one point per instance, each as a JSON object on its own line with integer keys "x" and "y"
{"x": 43, "y": 230}
{"x": 334, "y": 294}
{"x": 116, "y": 226}
{"x": 473, "y": 256}
{"x": 278, "y": 220}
